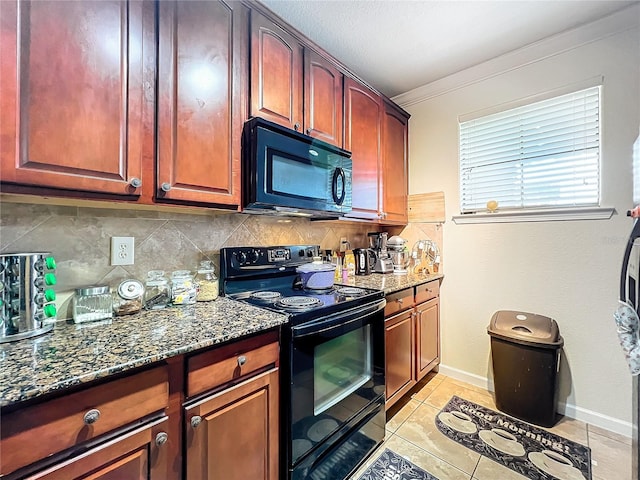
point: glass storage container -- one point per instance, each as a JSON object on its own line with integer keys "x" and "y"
{"x": 92, "y": 303}
{"x": 157, "y": 293}
{"x": 183, "y": 288}
{"x": 128, "y": 298}
{"x": 207, "y": 282}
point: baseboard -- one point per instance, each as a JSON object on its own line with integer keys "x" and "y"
{"x": 598, "y": 419}
{"x": 473, "y": 379}
{"x": 572, "y": 411}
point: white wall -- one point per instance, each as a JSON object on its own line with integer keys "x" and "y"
{"x": 568, "y": 270}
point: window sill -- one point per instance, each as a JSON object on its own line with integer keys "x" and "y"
{"x": 588, "y": 213}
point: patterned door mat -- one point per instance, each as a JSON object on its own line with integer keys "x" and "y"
{"x": 531, "y": 451}
{"x": 391, "y": 466}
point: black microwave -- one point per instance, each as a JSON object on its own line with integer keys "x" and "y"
{"x": 289, "y": 173}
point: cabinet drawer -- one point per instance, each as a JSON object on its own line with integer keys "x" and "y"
{"x": 427, "y": 291}
{"x": 41, "y": 430}
{"x": 399, "y": 301}
{"x": 212, "y": 369}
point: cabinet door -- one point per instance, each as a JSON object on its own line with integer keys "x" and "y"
{"x": 72, "y": 94}
{"x": 399, "y": 355}
{"x": 362, "y": 137}
{"x": 394, "y": 166}
{"x": 200, "y": 72}
{"x": 323, "y": 97}
{"x": 276, "y": 73}
{"x": 427, "y": 336}
{"x": 233, "y": 435}
{"x": 137, "y": 455}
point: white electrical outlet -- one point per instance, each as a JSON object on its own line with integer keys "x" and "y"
{"x": 122, "y": 249}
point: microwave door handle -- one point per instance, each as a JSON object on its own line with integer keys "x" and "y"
{"x": 337, "y": 173}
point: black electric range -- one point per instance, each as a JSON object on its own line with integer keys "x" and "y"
{"x": 332, "y": 379}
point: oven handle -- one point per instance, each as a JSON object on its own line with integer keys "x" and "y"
{"x": 336, "y": 320}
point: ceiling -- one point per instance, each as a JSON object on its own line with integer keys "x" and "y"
{"x": 398, "y": 45}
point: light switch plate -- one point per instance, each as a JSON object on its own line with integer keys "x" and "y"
{"x": 122, "y": 250}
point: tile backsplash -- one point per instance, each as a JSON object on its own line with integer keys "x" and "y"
{"x": 80, "y": 239}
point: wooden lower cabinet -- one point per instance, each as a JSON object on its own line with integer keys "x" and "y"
{"x": 233, "y": 434}
{"x": 399, "y": 341}
{"x": 427, "y": 337}
{"x": 218, "y": 406}
{"x": 412, "y": 338}
{"x": 137, "y": 455}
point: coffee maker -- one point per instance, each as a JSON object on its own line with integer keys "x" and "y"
{"x": 378, "y": 243}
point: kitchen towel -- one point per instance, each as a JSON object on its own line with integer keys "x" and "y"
{"x": 391, "y": 466}
{"x": 531, "y": 451}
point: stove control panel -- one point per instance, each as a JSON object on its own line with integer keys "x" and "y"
{"x": 279, "y": 255}
{"x": 265, "y": 257}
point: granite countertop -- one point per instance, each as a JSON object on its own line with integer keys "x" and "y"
{"x": 73, "y": 354}
{"x": 391, "y": 282}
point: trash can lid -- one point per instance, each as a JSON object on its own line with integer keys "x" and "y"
{"x": 525, "y": 328}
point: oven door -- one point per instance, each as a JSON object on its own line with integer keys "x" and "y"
{"x": 337, "y": 371}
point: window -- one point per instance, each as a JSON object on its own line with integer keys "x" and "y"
{"x": 541, "y": 155}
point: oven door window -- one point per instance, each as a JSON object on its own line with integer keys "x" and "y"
{"x": 340, "y": 367}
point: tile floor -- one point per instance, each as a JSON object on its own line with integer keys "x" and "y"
{"x": 412, "y": 433}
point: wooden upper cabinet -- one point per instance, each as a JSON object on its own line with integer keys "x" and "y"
{"x": 276, "y": 73}
{"x": 394, "y": 165}
{"x": 72, "y": 94}
{"x": 201, "y": 55}
{"x": 362, "y": 137}
{"x": 323, "y": 99}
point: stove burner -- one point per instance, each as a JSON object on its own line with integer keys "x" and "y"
{"x": 351, "y": 291}
{"x": 265, "y": 296}
{"x": 299, "y": 303}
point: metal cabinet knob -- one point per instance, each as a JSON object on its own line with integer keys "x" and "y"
{"x": 242, "y": 360}
{"x": 400, "y": 301}
{"x": 308, "y": 131}
{"x": 161, "y": 439}
{"x": 135, "y": 182}
{"x": 91, "y": 416}
{"x": 166, "y": 186}
{"x": 195, "y": 421}
{"x": 296, "y": 127}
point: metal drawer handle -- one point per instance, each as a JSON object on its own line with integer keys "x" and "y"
{"x": 242, "y": 360}
{"x": 91, "y": 416}
{"x": 195, "y": 421}
{"x": 161, "y": 439}
{"x": 400, "y": 301}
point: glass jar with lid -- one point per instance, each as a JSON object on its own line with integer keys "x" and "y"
{"x": 207, "y": 282}
{"x": 183, "y": 288}
{"x": 128, "y": 297}
{"x": 92, "y": 303}
{"x": 157, "y": 291}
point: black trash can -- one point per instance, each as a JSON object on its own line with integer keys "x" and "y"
{"x": 525, "y": 352}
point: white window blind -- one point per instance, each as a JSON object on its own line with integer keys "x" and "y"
{"x": 545, "y": 154}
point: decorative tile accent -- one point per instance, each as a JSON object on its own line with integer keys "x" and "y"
{"x": 79, "y": 238}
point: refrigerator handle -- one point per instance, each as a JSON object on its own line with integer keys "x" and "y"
{"x": 635, "y": 233}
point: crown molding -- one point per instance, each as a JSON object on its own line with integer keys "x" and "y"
{"x": 623, "y": 20}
